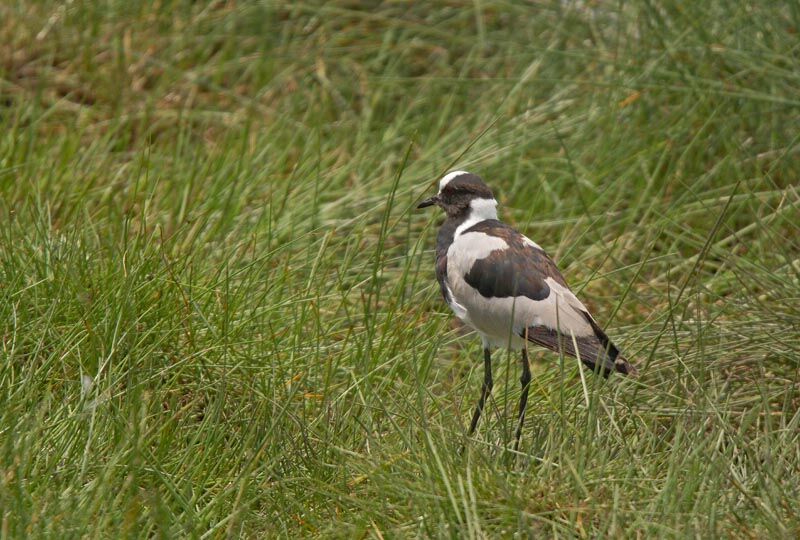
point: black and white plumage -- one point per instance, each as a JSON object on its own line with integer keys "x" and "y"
{"x": 504, "y": 285}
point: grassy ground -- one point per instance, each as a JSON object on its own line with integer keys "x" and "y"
{"x": 217, "y": 302}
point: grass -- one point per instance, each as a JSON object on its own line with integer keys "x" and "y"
{"x": 219, "y": 315}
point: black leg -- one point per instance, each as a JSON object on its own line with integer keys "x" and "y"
{"x": 486, "y": 389}
{"x": 525, "y": 381}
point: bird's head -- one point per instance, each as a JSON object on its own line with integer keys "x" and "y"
{"x": 463, "y": 193}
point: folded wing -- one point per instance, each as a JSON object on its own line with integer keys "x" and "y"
{"x": 557, "y": 319}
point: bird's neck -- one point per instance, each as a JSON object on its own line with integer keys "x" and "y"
{"x": 481, "y": 209}
{"x": 478, "y": 210}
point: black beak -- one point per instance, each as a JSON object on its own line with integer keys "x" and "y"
{"x": 428, "y": 202}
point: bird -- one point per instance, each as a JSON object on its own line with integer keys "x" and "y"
{"x": 503, "y": 285}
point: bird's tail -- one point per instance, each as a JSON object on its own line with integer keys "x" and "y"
{"x": 596, "y": 352}
{"x": 609, "y": 354}
{"x": 613, "y": 361}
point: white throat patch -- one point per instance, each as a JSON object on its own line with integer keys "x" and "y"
{"x": 479, "y": 210}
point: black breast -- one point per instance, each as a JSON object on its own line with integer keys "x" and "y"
{"x": 445, "y": 237}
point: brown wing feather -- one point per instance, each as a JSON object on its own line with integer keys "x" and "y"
{"x": 593, "y": 350}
